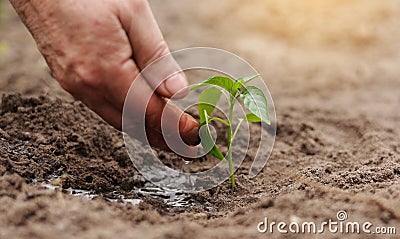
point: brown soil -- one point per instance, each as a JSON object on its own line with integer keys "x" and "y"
{"x": 332, "y": 68}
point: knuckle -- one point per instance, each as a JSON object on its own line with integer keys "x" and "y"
{"x": 81, "y": 75}
{"x": 161, "y": 49}
{"x": 85, "y": 73}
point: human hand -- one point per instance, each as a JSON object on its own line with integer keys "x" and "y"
{"x": 96, "y": 49}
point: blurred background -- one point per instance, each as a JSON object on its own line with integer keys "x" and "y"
{"x": 334, "y": 54}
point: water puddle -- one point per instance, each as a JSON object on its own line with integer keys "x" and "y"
{"x": 87, "y": 194}
{"x": 172, "y": 198}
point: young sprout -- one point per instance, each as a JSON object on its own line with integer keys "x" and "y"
{"x": 251, "y": 97}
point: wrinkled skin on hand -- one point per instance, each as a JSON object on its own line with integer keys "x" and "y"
{"x": 96, "y": 49}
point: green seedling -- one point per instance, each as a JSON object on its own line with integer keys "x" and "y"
{"x": 234, "y": 91}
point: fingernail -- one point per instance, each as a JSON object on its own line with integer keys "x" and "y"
{"x": 177, "y": 85}
{"x": 189, "y": 129}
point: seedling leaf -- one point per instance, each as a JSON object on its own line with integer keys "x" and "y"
{"x": 207, "y": 140}
{"x": 246, "y": 80}
{"x": 252, "y": 118}
{"x": 207, "y": 101}
{"x": 256, "y": 102}
{"x": 221, "y": 81}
